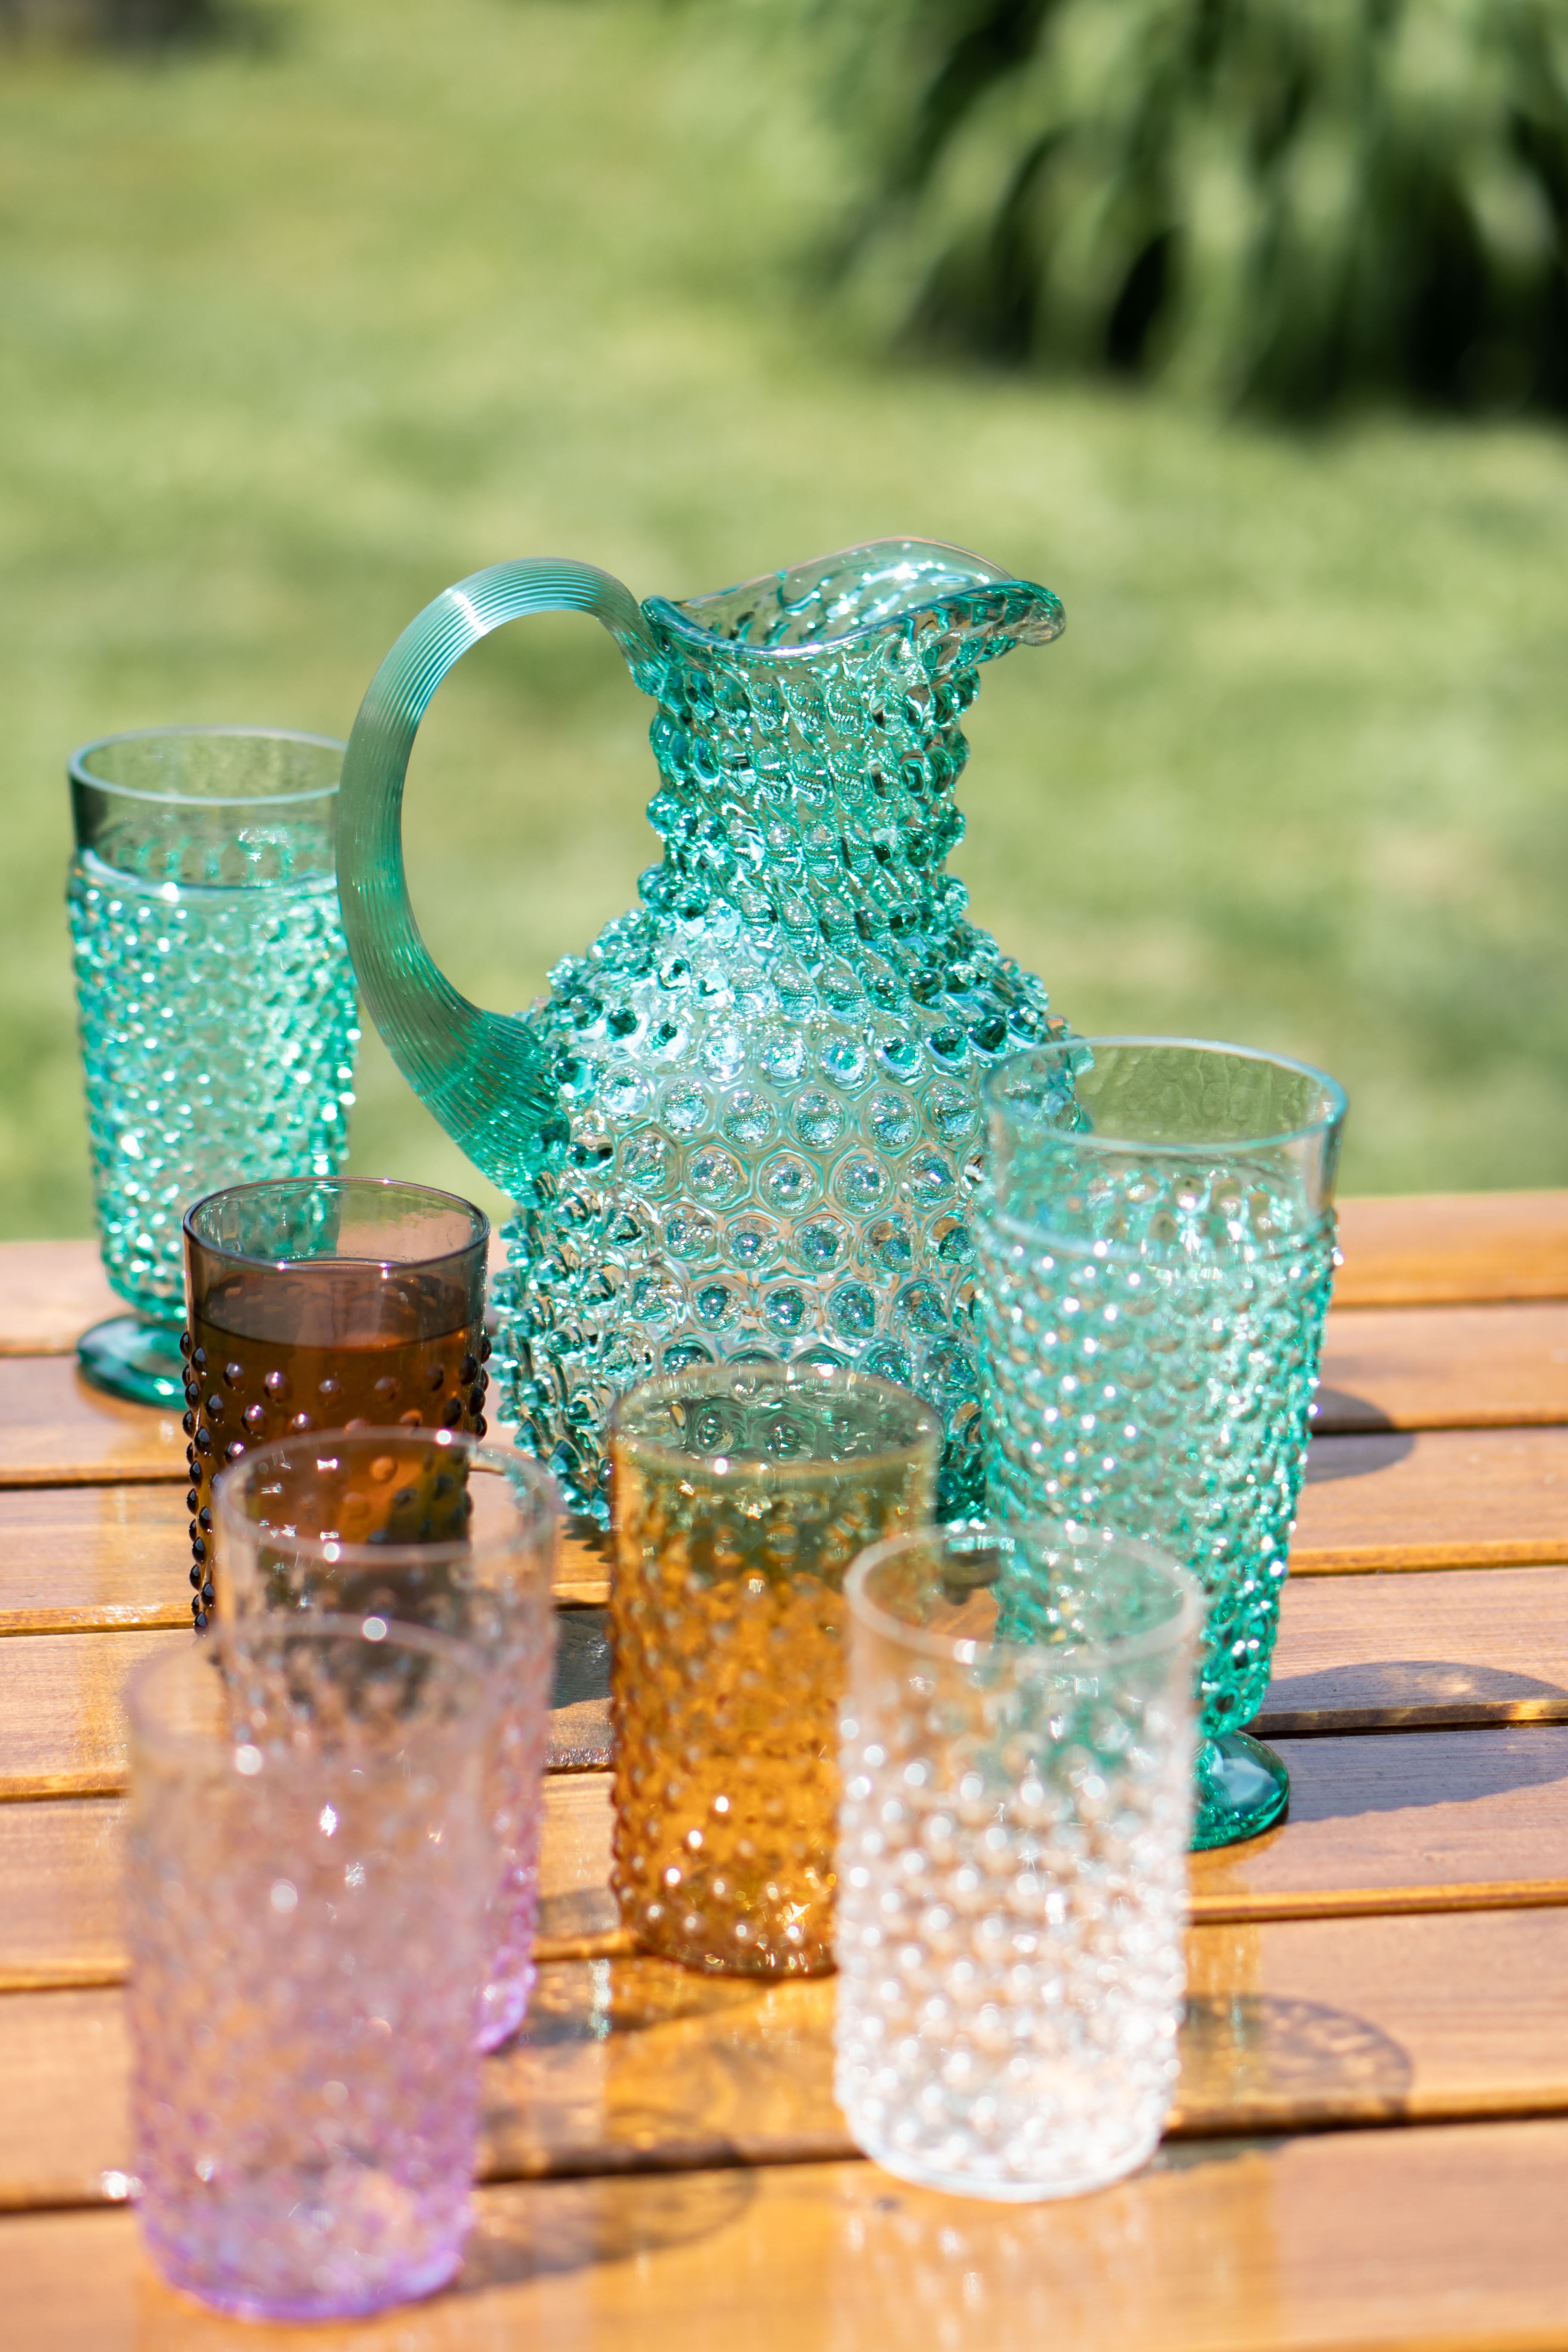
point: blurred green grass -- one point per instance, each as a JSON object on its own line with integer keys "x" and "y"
{"x": 290, "y": 339}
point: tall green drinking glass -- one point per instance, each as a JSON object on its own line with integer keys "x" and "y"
{"x": 1157, "y": 1246}
{"x": 214, "y": 995}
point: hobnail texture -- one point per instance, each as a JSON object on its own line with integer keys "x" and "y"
{"x": 1011, "y": 1887}
{"x": 746, "y": 1123}
{"x": 422, "y": 1528}
{"x": 319, "y": 1304}
{"x": 213, "y": 990}
{"x": 743, "y": 1496}
{"x": 1152, "y": 1369}
{"x": 305, "y": 1900}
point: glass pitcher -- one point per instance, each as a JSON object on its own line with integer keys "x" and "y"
{"x": 746, "y": 1122}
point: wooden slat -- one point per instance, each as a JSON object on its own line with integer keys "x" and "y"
{"x": 62, "y": 1728}
{"x": 1448, "y": 1647}
{"x": 1371, "y": 1652}
{"x": 1446, "y": 1248}
{"x": 633, "y": 2065}
{"x": 60, "y": 1884}
{"x": 59, "y": 1893}
{"x": 1445, "y": 2240}
{"x": 1301, "y": 2022}
{"x": 98, "y": 1557}
{"x": 55, "y": 1430}
{"x": 94, "y": 1558}
{"x": 1410, "y": 1249}
{"x": 1404, "y": 1821}
{"x": 1397, "y": 1822}
{"x": 1444, "y": 1367}
{"x": 1433, "y": 1498}
{"x": 1399, "y": 1367}
{"x": 49, "y": 1293}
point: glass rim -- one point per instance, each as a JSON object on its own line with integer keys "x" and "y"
{"x": 431, "y": 1192}
{"x": 1337, "y": 1102}
{"x": 674, "y": 614}
{"x": 318, "y": 1626}
{"x": 536, "y": 1483}
{"x": 736, "y": 1466}
{"x": 966, "y": 1651}
{"x": 80, "y": 772}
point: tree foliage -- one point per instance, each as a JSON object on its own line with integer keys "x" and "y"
{"x": 1287, "y": 203}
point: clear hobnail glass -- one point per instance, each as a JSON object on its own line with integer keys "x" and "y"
{"x": 1011, "y": 1858}
{"x": 214, "y": 997}
{"x": 422, "y": 1528}
{"x": 1157, "y": 1250}
{"x": 306, "y": 1874}
{"x": 746, "y": 1122}
{"x": 742, "y": 1494}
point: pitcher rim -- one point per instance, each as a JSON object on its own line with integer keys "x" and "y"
{"x": 673, "y": 612}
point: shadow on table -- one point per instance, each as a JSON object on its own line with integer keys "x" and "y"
{"x": 1358, "y": 1452}
{"x": 1388, "y": 1691}
{"x": 580, "y": 2225}
{"x": 1427, "y": 1767}
{"x": 1256, "y": 2059}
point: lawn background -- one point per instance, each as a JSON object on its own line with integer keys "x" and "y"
{"x": 293, "y": 334}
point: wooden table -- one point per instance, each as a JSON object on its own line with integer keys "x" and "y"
{"x": 1370, "y": 2146}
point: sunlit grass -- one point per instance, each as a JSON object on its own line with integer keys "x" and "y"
{"x": 288, "y": 341}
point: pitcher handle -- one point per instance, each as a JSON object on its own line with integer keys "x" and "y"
{"x": 483, "y": 1073}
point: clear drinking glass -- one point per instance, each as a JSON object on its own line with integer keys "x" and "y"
{"x": 741, "y": 1494}
{"x": 1157, "y": 1250}
{"x": 214, "y": 997}
{"x": 423, "y": 1527}
{"x": 326, "y": 1304}
{"x": 306, "y": 1877}
{"x": 1011, "y": 1858}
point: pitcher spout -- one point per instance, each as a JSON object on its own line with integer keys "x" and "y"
{"x": 956, "y": 608}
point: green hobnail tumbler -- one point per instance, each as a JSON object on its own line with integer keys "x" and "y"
{"x": 1157, "y": 1246}
{"x": 214, "y": 997}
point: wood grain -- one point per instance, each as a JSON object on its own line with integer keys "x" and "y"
{"x": 1373, "y": 1653}
{"x": 1444, "y": 1249}
{"x": 102, "y": 1557}
{"x": 1404, "y": 1821}
{"x": 1433, "y": 1498}
{"x": 634, "y": 2064}
{"x": 1399, "y": 1822}
{"x": 1410, "y": 1249}
{"x": 1448, "y": 1647}
{"x": 55, "y": 1430}
{"x": 94, "y": 1558}
{"x": 60, "y": 1884}
{"x": 49, "y": 1293}
{"x": 1444, "y": 1367}
{"x": 62, "y": 1728}
{"x": 98, "y": 1557}
{"x": 1445, "y": 2238}
{"x": 59, "y": 1893}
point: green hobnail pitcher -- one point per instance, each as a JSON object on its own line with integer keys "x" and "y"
{"x": 746, "y": 1122}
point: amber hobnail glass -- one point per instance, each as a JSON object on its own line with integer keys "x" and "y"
{"x": 327, "y": 1303}
{"x": 742, "y": 1494}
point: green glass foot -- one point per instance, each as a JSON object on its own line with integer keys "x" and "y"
{"x": 1243, "y": 1788}
{"x": 135, "y": 1359}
